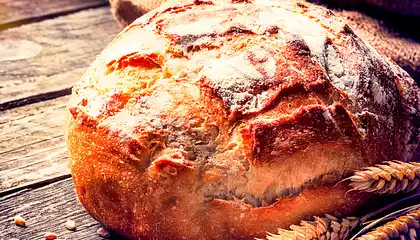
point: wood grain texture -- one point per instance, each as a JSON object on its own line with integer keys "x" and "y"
{"x": 50, "y": 56}
{"x": 32, "y": 146}
{"x": 46, "y": 209}
{"x": 16, "y": 12}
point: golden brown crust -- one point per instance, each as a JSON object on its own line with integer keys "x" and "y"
{"x": 221, "y": 120}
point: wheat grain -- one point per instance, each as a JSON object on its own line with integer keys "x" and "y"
{"x": 404, "y": 227}
{"x": 388, "y": 178}
{"x": 102, "y": 232}
{"x": 70, "y": 225}
{"x": 328, "y": 227}
{"x": 19, "y": 221}
{"x": 50, "y": 236}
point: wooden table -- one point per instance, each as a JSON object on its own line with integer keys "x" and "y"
{"x": 45, "y": 46}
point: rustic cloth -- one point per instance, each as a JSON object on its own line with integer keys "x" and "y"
{"x": 126, "y": 11}
{"x": 390, "y": 26}
{"x": 403, "y": 7}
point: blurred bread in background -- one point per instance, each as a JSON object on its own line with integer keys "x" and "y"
{"x": 388, "y": 25}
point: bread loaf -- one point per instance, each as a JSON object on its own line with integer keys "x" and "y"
{"x": 225, "y": 119}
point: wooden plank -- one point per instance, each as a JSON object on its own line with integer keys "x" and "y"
{"x": 17, "y": 12}
{"x": 32, "y": 146}
{"x": 50, "y": 56}
{"x": 46, "y": 209}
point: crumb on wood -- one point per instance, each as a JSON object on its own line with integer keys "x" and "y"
{"x": 71, "y": 225}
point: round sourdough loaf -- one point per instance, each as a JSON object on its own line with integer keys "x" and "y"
{"x": 226, "y": 119}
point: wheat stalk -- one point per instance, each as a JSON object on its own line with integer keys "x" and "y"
{"x": 404, "y": 227}
{"x": 388, "y": 178}
{"x": 328, "y": 227}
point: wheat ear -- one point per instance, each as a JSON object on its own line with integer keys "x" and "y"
{"x": 328, "y": 227}
{"x": 388, "y": 178}
{"x": 404, "y": 227}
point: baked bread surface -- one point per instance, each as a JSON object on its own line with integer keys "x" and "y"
{"x": 226, "y": 119}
